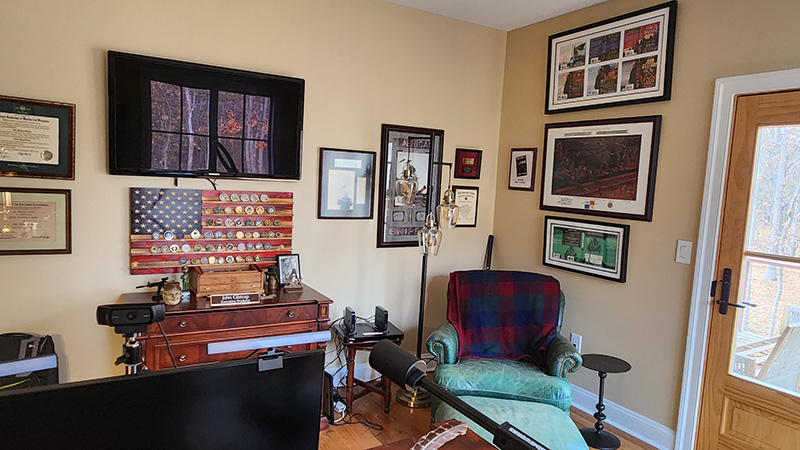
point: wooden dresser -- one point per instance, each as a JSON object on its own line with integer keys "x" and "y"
{"x": 191, "y": 326}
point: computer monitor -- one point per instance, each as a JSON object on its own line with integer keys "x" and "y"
{"x": 226, "y": 405}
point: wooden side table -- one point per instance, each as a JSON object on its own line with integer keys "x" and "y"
{"x": 596, "y": 437}
{"x": 359, "y": 341}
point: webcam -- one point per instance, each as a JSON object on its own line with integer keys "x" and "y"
{"x": 130, "y": 318}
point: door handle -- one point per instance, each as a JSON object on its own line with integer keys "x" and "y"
{"x": 725, "y": 293}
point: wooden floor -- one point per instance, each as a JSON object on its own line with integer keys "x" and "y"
{"x": 404, "y": 422}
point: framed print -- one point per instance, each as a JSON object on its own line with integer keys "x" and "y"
{"x": 522, "y": 173}
{"x": 37, "y": 138}
{"x": 287, "y": 264}
{"x": 591, "y": 248}
{"x": 468, "y": 164}
{"x": 626, "y": 59}
{"x": 35, "y": 221}
{"x": 346, "y": 184}
{"x": 601, "y": 167}
{"x": 421, "y": 148}
{"x": 467, "y": 201}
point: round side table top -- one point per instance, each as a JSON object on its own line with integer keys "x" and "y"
{"x": 605, "y": 363}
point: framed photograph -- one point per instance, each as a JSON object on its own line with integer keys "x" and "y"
{"x": 37, "y": 138}
{"x": 468, "y": 164}
{"x": 35, "y": 221}
{"x": 467, "y": 201}
{"x": 591, "y": 248}
{"x": 422, "y": 148}
{"x": 522, "y": 173}
{"x": 626, "y": 59}
{"x": 286, "y": 264}
{"x": 601, "y": 167}
{"x": 346, "y": 184}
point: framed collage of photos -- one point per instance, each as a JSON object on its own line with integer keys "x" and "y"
{"x": 626, "y": 59}
{"x": 601, "y": 167}
{"x": 346, "y": 184}
{"x": 590, "y": 248}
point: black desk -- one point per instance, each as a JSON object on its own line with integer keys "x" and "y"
{"x": 603, "y": 364}
{"x": 365, "y": 338}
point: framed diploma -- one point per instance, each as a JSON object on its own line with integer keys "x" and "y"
{"x": 467, "y": 201}
{"x": 35, "y": 221}
{"x": 37, "y": 138}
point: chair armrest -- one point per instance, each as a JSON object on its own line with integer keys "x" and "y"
{"x": 562, "y": 358}
{"x": 443, "y": 344}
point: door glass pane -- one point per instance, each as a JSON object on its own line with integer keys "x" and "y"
{"x": 767, "y": 342}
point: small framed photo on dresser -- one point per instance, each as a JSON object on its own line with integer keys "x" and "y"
{"x": 286, "y": 265}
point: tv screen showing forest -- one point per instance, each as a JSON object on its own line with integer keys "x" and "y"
{"x": 174, "y": 118}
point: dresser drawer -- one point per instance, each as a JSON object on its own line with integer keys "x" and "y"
{"x": 250, "y": 317}
{"x": 197, "y": 353}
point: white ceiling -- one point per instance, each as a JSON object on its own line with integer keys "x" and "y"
{"x": 503, "y": 15}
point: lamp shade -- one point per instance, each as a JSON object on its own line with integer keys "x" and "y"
{"x": 429, "y": 237}
{"x": 448, "y": 211}
{"x": 405, "y": 187}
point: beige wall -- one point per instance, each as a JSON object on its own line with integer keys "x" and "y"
{"x": 365, "y": 62}
{"x": 644, "y": 320}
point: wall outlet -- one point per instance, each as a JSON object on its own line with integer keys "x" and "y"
{"x": 576, "y": 340}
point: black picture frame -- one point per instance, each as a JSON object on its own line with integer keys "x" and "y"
{"x": 601, "y": 167}
{"x": 52, "y": 155}
{"x": 346, "y": 184}
{"x": 286, "y": 263}
{"x": 587, "y": 247}
{"x": 468, "y": 163}
{"x": 398, "y": 224}
{"x": 629, "y": 57}
{"x": 522, "y": 169}
{"x": 49, "y": 209}
{"x": 466, "y": 197}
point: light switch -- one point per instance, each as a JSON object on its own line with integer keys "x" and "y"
{"x": 684, "y": 253}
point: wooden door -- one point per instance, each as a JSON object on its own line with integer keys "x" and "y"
{"x": 750, "y": 396}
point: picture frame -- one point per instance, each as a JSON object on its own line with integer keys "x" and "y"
{"x": 623, "y": 60}
{"x": 466, "y": 198}
{"x": 590, "y": 248}
{"x": 601, "y": 167}
{"x": 468, "y": 164}
{"x": 287, "y": 263}
{"x": 397, "y": 223}
{"x": 346, "y": 184}
{"x": 38, "y": 138}
{"x": 522, "y": 170}
{"x": 35, "y": 221}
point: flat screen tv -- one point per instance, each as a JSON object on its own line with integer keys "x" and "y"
{"x": 180, "y": 119}
{"x": 229, "y": 405}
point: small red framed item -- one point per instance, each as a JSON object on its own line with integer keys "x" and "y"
{"x": 468, "y": 163}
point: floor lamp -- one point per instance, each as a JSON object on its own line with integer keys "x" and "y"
{"x": 429, "y": 238}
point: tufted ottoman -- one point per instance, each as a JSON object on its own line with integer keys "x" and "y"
{"x": 545, "y": 423}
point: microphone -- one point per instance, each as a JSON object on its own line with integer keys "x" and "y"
{"x": 405, "y": 370}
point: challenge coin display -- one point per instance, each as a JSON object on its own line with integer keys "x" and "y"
{"x": 171, "y": 228}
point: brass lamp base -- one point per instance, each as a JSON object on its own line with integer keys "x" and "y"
{"x": 418, "y": 398}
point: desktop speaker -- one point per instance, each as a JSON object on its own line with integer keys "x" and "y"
{"x": 349, "y": 321}
{"x": 381, "y": 319}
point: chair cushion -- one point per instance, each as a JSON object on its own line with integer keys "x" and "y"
{"x": 547, "y": 424}
{"x": 515, "y": 380}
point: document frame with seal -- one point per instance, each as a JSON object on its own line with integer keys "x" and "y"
{"x": 37, "y": 138}
{"x": 35, "y": 221}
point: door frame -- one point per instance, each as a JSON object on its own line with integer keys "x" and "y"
{"x": 708, "y": 235}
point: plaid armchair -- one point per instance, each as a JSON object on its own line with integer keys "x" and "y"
{"x": 501, "y": 339}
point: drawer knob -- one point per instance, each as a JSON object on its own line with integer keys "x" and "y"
{"x": 182, "y": 358}
{"x": 182, "y": 324}
{"x": 290, "y": 313}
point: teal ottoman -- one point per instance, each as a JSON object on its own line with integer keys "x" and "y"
{"x": 545, "y": 423}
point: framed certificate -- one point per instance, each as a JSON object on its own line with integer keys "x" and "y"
{"x": 37, "y": 138}
{"x": 35, "y": 221}
{"x": 467, "y": 201}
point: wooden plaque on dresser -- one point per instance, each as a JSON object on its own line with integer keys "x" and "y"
{"x": 191, "y": 325}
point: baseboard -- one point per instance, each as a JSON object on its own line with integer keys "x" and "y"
{"x": 635, "y": 424}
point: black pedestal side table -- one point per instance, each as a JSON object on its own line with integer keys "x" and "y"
{"x": 596, "y": 437}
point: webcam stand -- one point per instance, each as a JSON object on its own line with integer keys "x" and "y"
{"x": 131, "y": 355}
